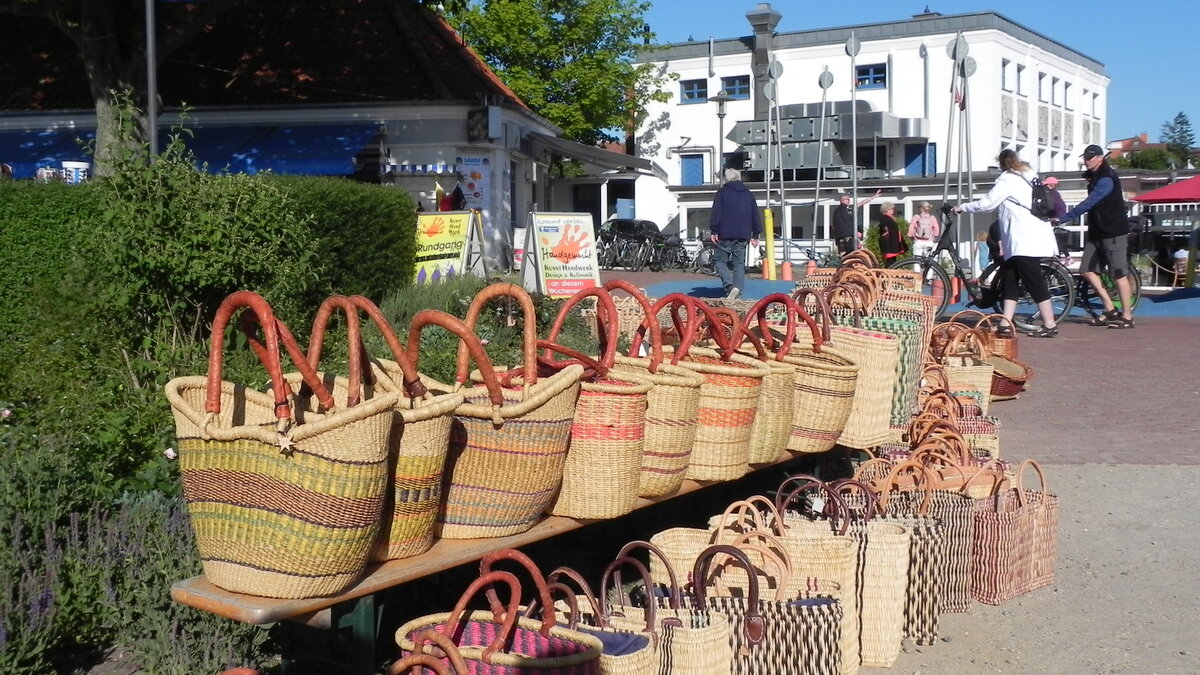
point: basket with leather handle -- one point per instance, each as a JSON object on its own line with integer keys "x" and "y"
{"x": 509, "y": 444}
{"x": 285, "y": 499}
{"x": 672, "y": 404}
{"x": 728, "y": 398}
{"x": 420, "y": 437}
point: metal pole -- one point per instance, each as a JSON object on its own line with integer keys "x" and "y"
{"x": 824, "y": 80}
{"x": 852, "y": 48}
{"x": 151, "y": 82}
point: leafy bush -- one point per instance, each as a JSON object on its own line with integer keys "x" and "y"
{"x": 366, "y": 234}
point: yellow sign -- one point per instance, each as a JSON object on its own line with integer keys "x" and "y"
{"x": 564, "y": 245}
{"x": 442, "y": 239}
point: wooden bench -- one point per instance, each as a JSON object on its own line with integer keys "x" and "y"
{"x": 354, "y": 609}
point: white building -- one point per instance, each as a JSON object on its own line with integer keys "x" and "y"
{"x": 1024, "y": 90}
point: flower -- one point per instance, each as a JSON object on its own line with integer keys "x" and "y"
{"x": 6, "y": 413}
{"x": 170, "y": 453}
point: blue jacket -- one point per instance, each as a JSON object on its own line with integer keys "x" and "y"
{"x": 735, "y": 214}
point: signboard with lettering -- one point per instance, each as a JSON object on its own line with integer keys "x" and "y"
{"x": 560, "y": 254}
{"x": 446, "y": 245}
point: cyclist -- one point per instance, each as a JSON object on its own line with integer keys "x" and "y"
{"x": 1107, "y": 232}
{"x": 1024, "y": 239}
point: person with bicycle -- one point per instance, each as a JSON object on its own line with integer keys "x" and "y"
{"x": 1024, "y": 239}
{"x": 843, "y": 222}
{"x": 1105, "y": 243}
{"x": 735, "y": 219}
{"x": 924, "y": 230}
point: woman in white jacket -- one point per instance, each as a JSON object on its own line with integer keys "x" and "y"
{"x": 1024, "y": 238}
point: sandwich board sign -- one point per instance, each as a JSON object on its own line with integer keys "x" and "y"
{"x": 449, "y": 243}
{"x": 560, "y": 254}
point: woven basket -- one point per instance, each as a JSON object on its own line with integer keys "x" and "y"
{"x": 603, "y": 467}
{"x": 420, "y": 435}
{"x": 671, "y": 404}
{"x": 964, "y": 358}
{"x": 999, "y": 340}
{"x": 689, "y": 640}
{"x": 284, "y": 501}
{"x": 776, "y": 399}
{"x": 509, "y": 444}
{"x": 1010, "y": 377}
{"x": 824, "y": 380}
{"x": 728, "y": 398}
{"x": 502, "y": 642}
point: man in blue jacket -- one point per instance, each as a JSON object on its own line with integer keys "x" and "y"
{"x": 735, "y": 219}
{"x": 1107, "y": 232}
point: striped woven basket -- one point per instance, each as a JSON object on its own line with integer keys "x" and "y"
{"x": 285, "y": 502}
{"x": 728, "y": 399}
{"x": 776, "y": 399}
{"x": 420, "y": 437}
{"x": 672, "y": 404}
{"x": 603, "y": 466}
{"x": 509, "y": 445}
{"x": 823, "y": 378}
{"x": 507, "y": 643}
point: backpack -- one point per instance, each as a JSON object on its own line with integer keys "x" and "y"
{"x": 1043, "y": 203}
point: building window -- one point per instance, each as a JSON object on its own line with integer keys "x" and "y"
{"x": 873, "y": 76}
{"x": 1055, "y": 98}
{"x": 1043, "y": 94}
{"x": 1006, "y": 75}
{"x": 1021, "y": 80}
{"x": 1068, "y": 102}
{"x": 691, "y": 169}
{"x": 1095, "y": 105}
{"x": 693, "y": 91}
{"x": 736, "y": 87}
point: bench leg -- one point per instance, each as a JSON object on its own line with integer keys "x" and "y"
{"x": 350, "y": 649}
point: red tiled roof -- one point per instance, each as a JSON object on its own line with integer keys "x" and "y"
{"x": 271, "y": 53}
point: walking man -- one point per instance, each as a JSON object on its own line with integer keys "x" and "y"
{"x": 735, "y": 219}
{"x": 1107, "y": 231}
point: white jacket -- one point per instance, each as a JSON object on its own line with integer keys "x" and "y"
{"x": 1021, "y": 232}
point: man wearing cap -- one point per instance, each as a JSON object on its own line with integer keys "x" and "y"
{"x": 1107, "y": 231}
{"x": 843, "y": 222}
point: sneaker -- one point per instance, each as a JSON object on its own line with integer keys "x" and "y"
{"x": 733, "y": 293}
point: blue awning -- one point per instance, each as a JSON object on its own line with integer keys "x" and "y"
{"x": 313, "y": 149}
{"x": 28, "y": 151}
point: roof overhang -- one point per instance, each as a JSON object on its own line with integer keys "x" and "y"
{"x": 545, "y": 144}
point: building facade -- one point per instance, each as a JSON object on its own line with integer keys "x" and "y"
{"x": 893, "y": 113}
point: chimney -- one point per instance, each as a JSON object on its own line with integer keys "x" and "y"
{"x": 763, "y": 20}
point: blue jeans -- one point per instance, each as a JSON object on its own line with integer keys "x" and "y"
{"x": 729, "y": 255}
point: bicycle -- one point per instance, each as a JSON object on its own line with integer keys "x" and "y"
{"x": 1088, "y": 301}
{"x": 667, "y": 252}
{"x": 984, "y": 291}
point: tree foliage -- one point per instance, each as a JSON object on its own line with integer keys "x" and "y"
{"x": 571, "y": 61}
{"x": 1153, "y": 159}
{"x": 1178, "y": 136}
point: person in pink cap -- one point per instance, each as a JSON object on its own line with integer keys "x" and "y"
{"x": 1060, "y": 207}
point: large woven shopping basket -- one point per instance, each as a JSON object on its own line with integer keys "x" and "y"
{"x": 499, "y": 641}
{"x": 285, "y": 501}
{"x": 672, "y": 404}
{"x": 772, "y": 426}
{"x": 729, "y": 396}
{"x": 420, "y": 434}
{"x": 796, "y": 635}
{"x": 509, "y": 444}
{"x": 604, "y": 463}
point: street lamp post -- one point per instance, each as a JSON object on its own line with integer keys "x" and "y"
{"x": 719, "y": 155}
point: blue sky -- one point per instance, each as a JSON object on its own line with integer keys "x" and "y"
{"x": 1147, "y": 48}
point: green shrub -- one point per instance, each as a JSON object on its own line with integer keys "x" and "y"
{"x": 366, "y": 234}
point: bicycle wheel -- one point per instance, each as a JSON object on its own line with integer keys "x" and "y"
{"x": 638, "y": 253}
{"x": 1091, "y": 303}
{"x": 606, "y": 254}
{"x": 1062, "y": 297}
{"x": 935, "y": 280}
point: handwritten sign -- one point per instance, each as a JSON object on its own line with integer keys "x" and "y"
{"x": 442, "y": 240}
{"x": 563, "y": 251}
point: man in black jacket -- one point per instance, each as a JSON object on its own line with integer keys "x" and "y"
{"x": 1107, "y": 232}
{"x": 843, "y": 223}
